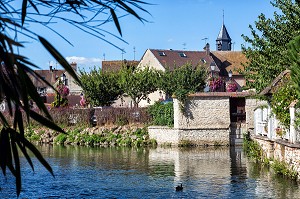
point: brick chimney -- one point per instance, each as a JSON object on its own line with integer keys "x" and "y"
{"x": 74, "y": 66}
{"x": 207, "y": 49}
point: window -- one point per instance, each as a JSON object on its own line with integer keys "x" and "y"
{"x": 203, "y": 60}
{"x": 182, "y": 54}
{"x": 161, "y": 53}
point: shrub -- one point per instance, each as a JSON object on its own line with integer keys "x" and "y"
{"x": 60, "y": 139}
{"x": 162, "y": 114}
{"x": 282, "y": 168}
{"x": 253, "y": 149}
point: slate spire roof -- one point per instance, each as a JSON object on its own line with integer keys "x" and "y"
{"x": 223, "y": 34}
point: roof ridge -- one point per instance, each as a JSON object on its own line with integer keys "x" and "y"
{"x": 178, "y": 50}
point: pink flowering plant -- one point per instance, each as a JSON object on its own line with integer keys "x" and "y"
{"x": 63, "y": 90}
{"x": 61, "y": 99}
{"x": 231, "y": 86}
{"x": 215, "y": 84}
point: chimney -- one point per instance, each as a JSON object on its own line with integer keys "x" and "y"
{"x": 207, "y": 49}
{"x": 74, "y": 66}
{"x": 50, "y": 68}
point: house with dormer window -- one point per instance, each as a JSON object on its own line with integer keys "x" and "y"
{"x": 223, "y": 63}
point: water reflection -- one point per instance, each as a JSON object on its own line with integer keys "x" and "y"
{"x": 85, "y": 172}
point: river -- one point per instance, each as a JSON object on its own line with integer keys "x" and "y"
{"x": 86, "y": 172}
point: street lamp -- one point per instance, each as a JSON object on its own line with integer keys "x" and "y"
{"x": 230, "y": 74}
{"x": 64, "y": 79}
{"x": 213, "y": 68}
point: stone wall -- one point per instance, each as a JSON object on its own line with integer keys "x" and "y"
{"x": 203, "y": 112}
{"x": 164, "y": 135}
{"x": 167, "y": 135}
{"x": 205, "y": 120}
{"x": 281, "y": 150}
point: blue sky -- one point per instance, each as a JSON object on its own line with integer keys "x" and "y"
{"x": 176, "y": 24}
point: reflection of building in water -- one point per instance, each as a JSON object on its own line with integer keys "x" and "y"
{"x": 238, "y": 169}
{"x": 210, "y": 166}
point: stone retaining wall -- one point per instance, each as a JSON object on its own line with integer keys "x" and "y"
{"x": 281, "y": 150}
{"x": 166, "y": 135}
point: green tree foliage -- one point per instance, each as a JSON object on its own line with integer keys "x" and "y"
{"x": 281, "y": 100}
{"x": 183, "y": 80}
{"x": 267, "y": 53}
{"x": 294, "y": 55}
{"x": 138, "y": 83}
{"x": 100, "y": 88}
{"x": 15, "y": 83}
{"x": 162, "y": 114}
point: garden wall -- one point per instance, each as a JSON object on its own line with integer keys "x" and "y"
{"x": 204, "y": 121}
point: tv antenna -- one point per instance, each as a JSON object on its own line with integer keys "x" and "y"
{"x": 133, "y": 52}
{"x": 123, "y": 52}
{"x": 184, "y": 44}
{"x": 205, "y": 39}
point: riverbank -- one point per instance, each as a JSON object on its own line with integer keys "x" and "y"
{"x": 127, "y": 135}
{"x": 281, "y": 156}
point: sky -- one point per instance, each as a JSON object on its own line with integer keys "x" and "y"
{"x": 176, "y": 24}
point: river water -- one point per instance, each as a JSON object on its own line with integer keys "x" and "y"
{"x": 85, "y": 172}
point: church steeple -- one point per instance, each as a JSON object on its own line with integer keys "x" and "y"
{"x": 223, "y": 41}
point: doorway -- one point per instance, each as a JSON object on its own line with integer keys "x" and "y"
{"x": 237, "y": 109}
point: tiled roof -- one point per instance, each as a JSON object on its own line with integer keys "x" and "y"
{"x": 49, "y": 76}
{"x": 176, "y": 58}
{"x": 229, "y": 60}
{"x": 117, "y": 64}
{"x": 270, "y": 89}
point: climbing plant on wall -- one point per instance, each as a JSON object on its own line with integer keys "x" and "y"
{"x": 281, "y": 100}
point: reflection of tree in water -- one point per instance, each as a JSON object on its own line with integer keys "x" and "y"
{"x": 102, "y": 157}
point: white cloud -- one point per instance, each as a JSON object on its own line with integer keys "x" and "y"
{"x": 85, "y": 62}
{"x": 170, "y": 40}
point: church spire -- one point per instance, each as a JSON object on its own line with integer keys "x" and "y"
{"x": 223, "y": 41}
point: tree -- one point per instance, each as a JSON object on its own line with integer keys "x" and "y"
{"x": 100, "y": 88}
{"x": 267, "y": 54}
{"x": 183, "y": 80}
{"x": 294, "y": 55}
{"x": 15, "y": 84}
{"x": 138, "y": 83}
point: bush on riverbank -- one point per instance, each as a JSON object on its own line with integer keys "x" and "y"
{"x": 128, "y": 135}
{"x": 162, "y": 114}
{"x": 254, "y": 151}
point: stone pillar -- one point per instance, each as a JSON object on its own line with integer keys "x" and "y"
{"x": 292, "y": 125}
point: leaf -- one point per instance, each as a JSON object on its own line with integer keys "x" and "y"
{"x": 36, "y": 152}
{"x": 24, "y": 9}
{"x": 59, "y": 58}
{"x": 23, "y": 149}
{"x": 4, "y": 149}
{"x": 44, "y": 121}
{"x": 34, "y": 94}
{"x": 34, "y": 6}
{"x": 128, "y": 9}
{"x": 16, "y": 161}
{"x": 116, "y": 21}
